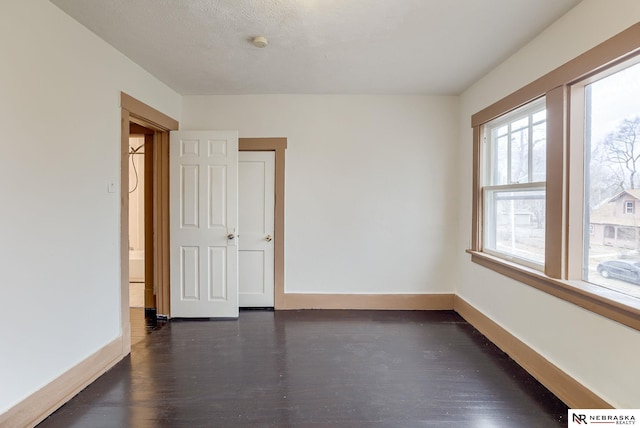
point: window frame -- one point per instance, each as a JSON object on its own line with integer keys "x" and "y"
{"x": 489, "y": 185}
{"x": 629, "y": 207}
{"x": 533, "y": 187}
{"x": 563, "y": 88}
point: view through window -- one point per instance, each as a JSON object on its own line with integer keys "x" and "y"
{"x": 612, "y": 182}
{"x": 514, "y": 184}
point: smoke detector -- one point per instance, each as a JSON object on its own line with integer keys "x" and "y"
{"x": 260, "y": 42}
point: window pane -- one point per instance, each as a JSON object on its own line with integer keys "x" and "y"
{"x": 520, "y": 156}
{"x": 515, "y": 153}
{"x": 540, "y": 116}
{"x": 520, "y": 124}
{"x": 514, "y": 156}
{"x": 515, "y": 223}
{"x": 612, "y": 177}
{"x": 539, "y": 152}
{"x": 501, "y": 173}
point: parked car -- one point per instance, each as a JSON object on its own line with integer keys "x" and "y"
{"x": 626, "y": 270}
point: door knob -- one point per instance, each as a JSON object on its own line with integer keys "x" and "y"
{"x": 268, "y": 238}
{"x": 231, "y": 236}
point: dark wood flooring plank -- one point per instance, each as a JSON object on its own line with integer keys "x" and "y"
{"x": 316, "y": 368}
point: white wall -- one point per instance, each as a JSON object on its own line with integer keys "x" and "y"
{"x": 600, "y": 353}
{"x": 59, "y": 228}
{"x": 371, "y": 204}
{"x": 369, "y": 180}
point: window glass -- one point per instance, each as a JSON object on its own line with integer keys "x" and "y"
{"x": 514, "y": 189}
{"x": 612, "y": 177}
{"x": 592, "y": 243}
{"x": 519, "y": 156}
{"x": 628, "y": 207}
{"x": 539, "y": 150}
{"x": 517, "y": 223}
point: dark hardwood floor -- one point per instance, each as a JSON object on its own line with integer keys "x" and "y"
{"x": 142, "y": 325}
{"x": 315, "y": 368}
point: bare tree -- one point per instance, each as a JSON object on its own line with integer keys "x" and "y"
{"x": 620, "y": 153}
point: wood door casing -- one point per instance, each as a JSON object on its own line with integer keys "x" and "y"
{"x": 279, "y": 146}
{"x": 133, "y": 113}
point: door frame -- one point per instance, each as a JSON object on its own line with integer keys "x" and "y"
{"x": 277, "y": 145}
{"x": 134, "y": 111}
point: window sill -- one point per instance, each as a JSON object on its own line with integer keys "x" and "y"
{"x": 602, "y": 301}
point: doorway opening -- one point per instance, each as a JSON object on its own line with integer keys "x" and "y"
{"x": 136, "y": 221}
{"x": 142, "y": 299}
{"x": 156, "y": 127}
{"x": 144, "y": 130}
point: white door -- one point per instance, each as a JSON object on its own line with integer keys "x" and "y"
{"x": 256, "y": 211}
{"x": 203, "y": 175}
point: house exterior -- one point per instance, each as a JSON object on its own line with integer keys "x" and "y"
{"x": 616, "y": 222}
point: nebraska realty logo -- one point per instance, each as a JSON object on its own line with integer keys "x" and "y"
{"x": 600, "y": 417}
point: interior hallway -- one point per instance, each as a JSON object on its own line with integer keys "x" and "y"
{"x": 315, "y": 368}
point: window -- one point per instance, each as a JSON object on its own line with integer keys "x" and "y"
{"x": 514, "y": 184}
{"x": 556, "y": 176}
{"x": 628, "y": 207}
{"x": 612, "y": 176}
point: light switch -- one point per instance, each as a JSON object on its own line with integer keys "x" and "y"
{"x": 111, "y": 186}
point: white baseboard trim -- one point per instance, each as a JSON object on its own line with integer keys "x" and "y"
{"x": 36, "y": 407}
{"x": 570, "y": 391}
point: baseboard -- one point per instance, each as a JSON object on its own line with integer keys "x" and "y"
{"x": 574, "y": 394}
{"x": 368, "y": 301}
{"x": 35, "y": 408}
{"x": 42, "y": 403}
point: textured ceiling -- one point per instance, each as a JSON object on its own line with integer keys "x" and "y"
{"x": 203, "y": 47}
